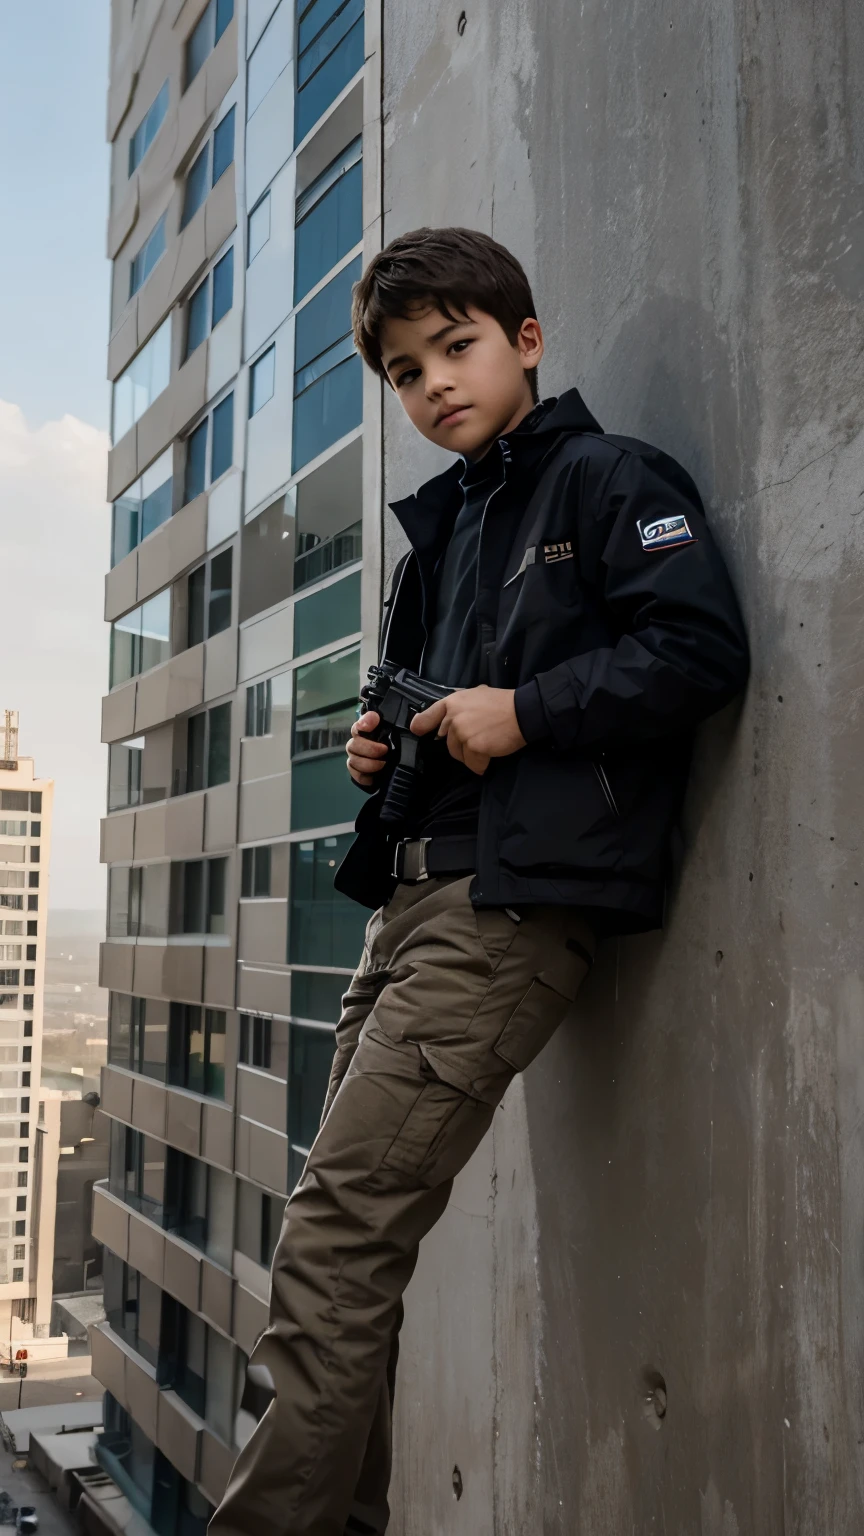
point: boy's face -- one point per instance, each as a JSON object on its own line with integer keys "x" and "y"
{"x": 461, "y": 381}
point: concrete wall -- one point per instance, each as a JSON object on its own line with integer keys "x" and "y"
{"x": 675, "y": 1195}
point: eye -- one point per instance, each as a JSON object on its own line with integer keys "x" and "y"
{"x": 407, "y": 377}
{"x": 459, "y": 346}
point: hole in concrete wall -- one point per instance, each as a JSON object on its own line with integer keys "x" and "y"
{"x": 461, "y": 23}
{"x": 653, "y": 1397}
{"x": 457, "y": 1482}
{"x": 718, "y": 958}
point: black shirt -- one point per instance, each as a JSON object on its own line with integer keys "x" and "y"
{"x": 450, "y": 798}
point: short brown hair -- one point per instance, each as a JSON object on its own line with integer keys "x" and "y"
{"x": 449, "y": 269}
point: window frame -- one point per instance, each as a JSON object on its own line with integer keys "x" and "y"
{"x": 163, "y": 97}
{"x": 205, "y": 427}
{"x": 157, "y": 234}
{"x": 207, "y": 782}
{"x": 256, "y": 876}
{"x": 255, "y": 367}
{"x": 208, "y": 167}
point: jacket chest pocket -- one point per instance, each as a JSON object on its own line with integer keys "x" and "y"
{"x": 542, "y": 588}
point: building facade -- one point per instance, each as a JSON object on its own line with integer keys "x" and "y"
{"x": 242, "y": 596}
{"x": 26, "y": 803}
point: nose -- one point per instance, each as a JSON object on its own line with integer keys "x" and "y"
{"x": 438, "y": 382}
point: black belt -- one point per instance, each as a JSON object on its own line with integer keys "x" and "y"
{"x": 422, "y": 858}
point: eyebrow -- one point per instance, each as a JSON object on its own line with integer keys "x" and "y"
{"x": 405, "y": 357}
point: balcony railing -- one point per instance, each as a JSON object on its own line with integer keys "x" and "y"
{"x": 320, "y": 557}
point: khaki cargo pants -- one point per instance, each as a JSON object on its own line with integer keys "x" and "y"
{"x": 446, "y": 1006}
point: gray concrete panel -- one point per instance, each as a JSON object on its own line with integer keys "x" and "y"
{"x": 679, "y": 1200}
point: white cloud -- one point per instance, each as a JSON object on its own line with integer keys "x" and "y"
{"x": 54, "y": 551}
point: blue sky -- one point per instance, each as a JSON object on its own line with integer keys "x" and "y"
{"x": 54, "y": 525}
{"x": 54, "y": 178}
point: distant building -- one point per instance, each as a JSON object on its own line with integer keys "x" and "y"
{"x": 243, "y": 598}
{"x": 28, "y": 1158}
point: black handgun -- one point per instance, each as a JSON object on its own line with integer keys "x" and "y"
{"x": 396, "y": 695}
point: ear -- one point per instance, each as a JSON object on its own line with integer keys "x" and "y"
{"x": 530, "y": 344}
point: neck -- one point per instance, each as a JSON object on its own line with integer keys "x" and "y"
{"x": 524, "y": 409}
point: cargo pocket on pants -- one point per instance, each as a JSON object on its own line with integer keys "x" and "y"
{"x": 438, "y": 1135}
{"x": 532, "y": 1023}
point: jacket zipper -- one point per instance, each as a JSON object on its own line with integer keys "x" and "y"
{"x": 392, "y": 607}
{"x": 485, "y": 644}
{"x": 606, "y": 788}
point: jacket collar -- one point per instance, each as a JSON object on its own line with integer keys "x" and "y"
{"x": 428, "y": 517}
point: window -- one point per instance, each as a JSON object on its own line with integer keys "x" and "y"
{"x": 124, "y": 774}
{"x": 329, "y": 54}
{"x": 145, "y": 506}
{"x": 256, "y": 872}
{"x": 221, "y": 451}
{"x": 327, "y": 380}
{"x": 17, "y": 800}
{"x": 206, "y": 34}
{"x": 141, "y": 639}
{"x": 259, "y": 1222}
{"x": 11, "y": 952}
{"x": 317, "y": 995}
{"x": 197, "y": 1049}
{"x": 17, "y": 1276}
{"x": 259, "y": 706}
{"x": 259, "y": 228}
{"x": 133, "y": 1306}
{"x": 262, "y": 380}
{"x": 136, "y": 1170}
{"x": 272, "y": 54}
{"x": 138, "y": 901}
{"x": 208, "y": 749}
{"x": 325, "y": 707}
{"x": 9, "y": 978}
{"x": 255, "y": 1041}
{"x": 325, "y": 928}
{"x": 209, "y": 598}
{"x": 150, "y": 252}
{"x": 327, "y": 614}
{"x": 199, "y": 896}
{"x": 198, "y": 177}
{"x": 35, "y": 829}
{"x": 19, "y": 1250}
{"x": 329, "y": 219}
{"x": 308, "y": 1079}
{"x": 13, "y": 903}
{"x": 147, "y": 129}
{"x": 138, "y": 1035}
{"x": 223, "y": 145}
{"x": 138, "y": 386}
{"x": 11, "y": 877}
{"x": 210, "y": 302}
{"x": 13, "y": 829}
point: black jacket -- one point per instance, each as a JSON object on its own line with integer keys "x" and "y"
{"x": 603, "y": 600}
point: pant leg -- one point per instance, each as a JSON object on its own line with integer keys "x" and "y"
{"x": 370, "y": 1508}
{"x": 469, "y": 1000}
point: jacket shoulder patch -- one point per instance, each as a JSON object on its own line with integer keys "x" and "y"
{"x": 665, "y": 532}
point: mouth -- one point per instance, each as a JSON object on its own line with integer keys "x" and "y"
{"x": 452, "y": 415}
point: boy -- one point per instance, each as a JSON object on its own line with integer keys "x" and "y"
{"x": 566, "y": 584}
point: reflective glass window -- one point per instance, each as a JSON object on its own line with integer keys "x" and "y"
{"x": 223, "y": 145}
{"x": 223, "y": 286}
{"x": 219, "y": 745}
{"x": 150, "y": 252}
{"x": 325, "y": 928}
{"x": 327, "y": 614}
{"x": 198, "y": 316}
{"x": 330, "y": 53}
{"x": 259, "y": 228}
{"x": 195, "y": 477}
{"x": 148, "y": 128}
{"x": 272, "y": 54}
{"x": 222, "y": 451}
{"x": 308, "y": 1077}
{"x": 125, "y": 760}
{"x": 262, "y": 380}
{"x": 141, "y": 381}
{"x": 197, "y": 186}
{"x": 329, "y": 219}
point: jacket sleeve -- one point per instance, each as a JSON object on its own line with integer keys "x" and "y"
{"x": 682, "y": 650}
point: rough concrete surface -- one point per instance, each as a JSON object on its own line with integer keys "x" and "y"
{"x": 674, "y": 1197}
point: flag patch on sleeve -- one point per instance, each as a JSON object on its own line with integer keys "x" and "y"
{"x": 665, "y": 532}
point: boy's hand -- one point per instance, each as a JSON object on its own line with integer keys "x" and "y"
{"x": 478, "y": 723}
{"x": 365, "y": 757}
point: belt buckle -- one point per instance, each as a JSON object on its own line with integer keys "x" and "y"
{"x": 413, "y": 860}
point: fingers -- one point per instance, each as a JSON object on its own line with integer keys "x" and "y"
{"x": 365, "y": 757}
{"x": 429, "y": 719}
